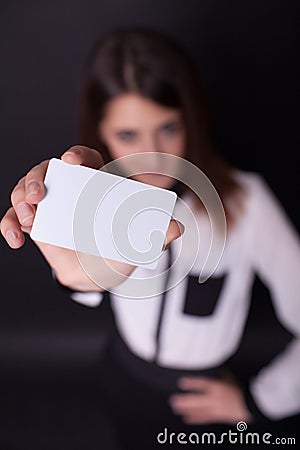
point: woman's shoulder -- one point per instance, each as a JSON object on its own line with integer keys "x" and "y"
{"x": 259, "y": 200}
{"x": 251, "y": 182}
{"x": 255, "y": 190}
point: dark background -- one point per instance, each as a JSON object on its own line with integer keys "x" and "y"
{"x": 248, "y": 54}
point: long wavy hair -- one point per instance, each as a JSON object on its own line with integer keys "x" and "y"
{"x": 155, "y": 66}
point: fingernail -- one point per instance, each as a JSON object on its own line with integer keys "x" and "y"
{"x": 32, "y": 188}
{"x": 182, "y": 383}
{"x": 74, "y": 151}
{"x": 172, "y": 400}
{"x": 175, "y": 404}
{"x": 25, "y": 212}
{"x": 183, "y": 380}
{"x": 12, "y": 237}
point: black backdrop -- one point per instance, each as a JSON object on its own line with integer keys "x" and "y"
{"x": 248, "y": 55}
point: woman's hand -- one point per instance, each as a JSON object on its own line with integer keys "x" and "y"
{"x": 209, "y": 401}
{"x": 18, "y": 220}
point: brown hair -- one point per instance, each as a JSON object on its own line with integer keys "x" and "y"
{"x": 153, "y": 65}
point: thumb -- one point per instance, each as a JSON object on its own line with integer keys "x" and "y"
{"x": 175, "y": 230}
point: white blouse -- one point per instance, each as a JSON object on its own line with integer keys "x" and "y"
{"x": 263, "y": 242}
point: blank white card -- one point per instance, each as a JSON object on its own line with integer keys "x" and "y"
{"x": 103, "y": 214}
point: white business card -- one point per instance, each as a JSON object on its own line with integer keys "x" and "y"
{"x": 102, "y": 214}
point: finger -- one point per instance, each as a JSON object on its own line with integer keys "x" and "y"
{"x": 24, "y": 211}
{"x": 84, "y": 156}
{"x": 175, "y": 230}
{"x": 34, "y": 183}
{"x": 196, "y": 383}
{"x": 184, "y": 403}
{"x": 11, "y": 231}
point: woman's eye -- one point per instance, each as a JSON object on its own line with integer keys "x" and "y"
{"x": 126, "y": 136}
{"x": 170, "y": 128}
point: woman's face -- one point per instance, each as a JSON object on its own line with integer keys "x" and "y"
{"x": 134, "y": 124}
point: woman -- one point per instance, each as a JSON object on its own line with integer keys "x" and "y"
{"x": 141, "y": 93}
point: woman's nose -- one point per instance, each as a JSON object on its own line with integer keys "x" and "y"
{"x": 151, "y": 144}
